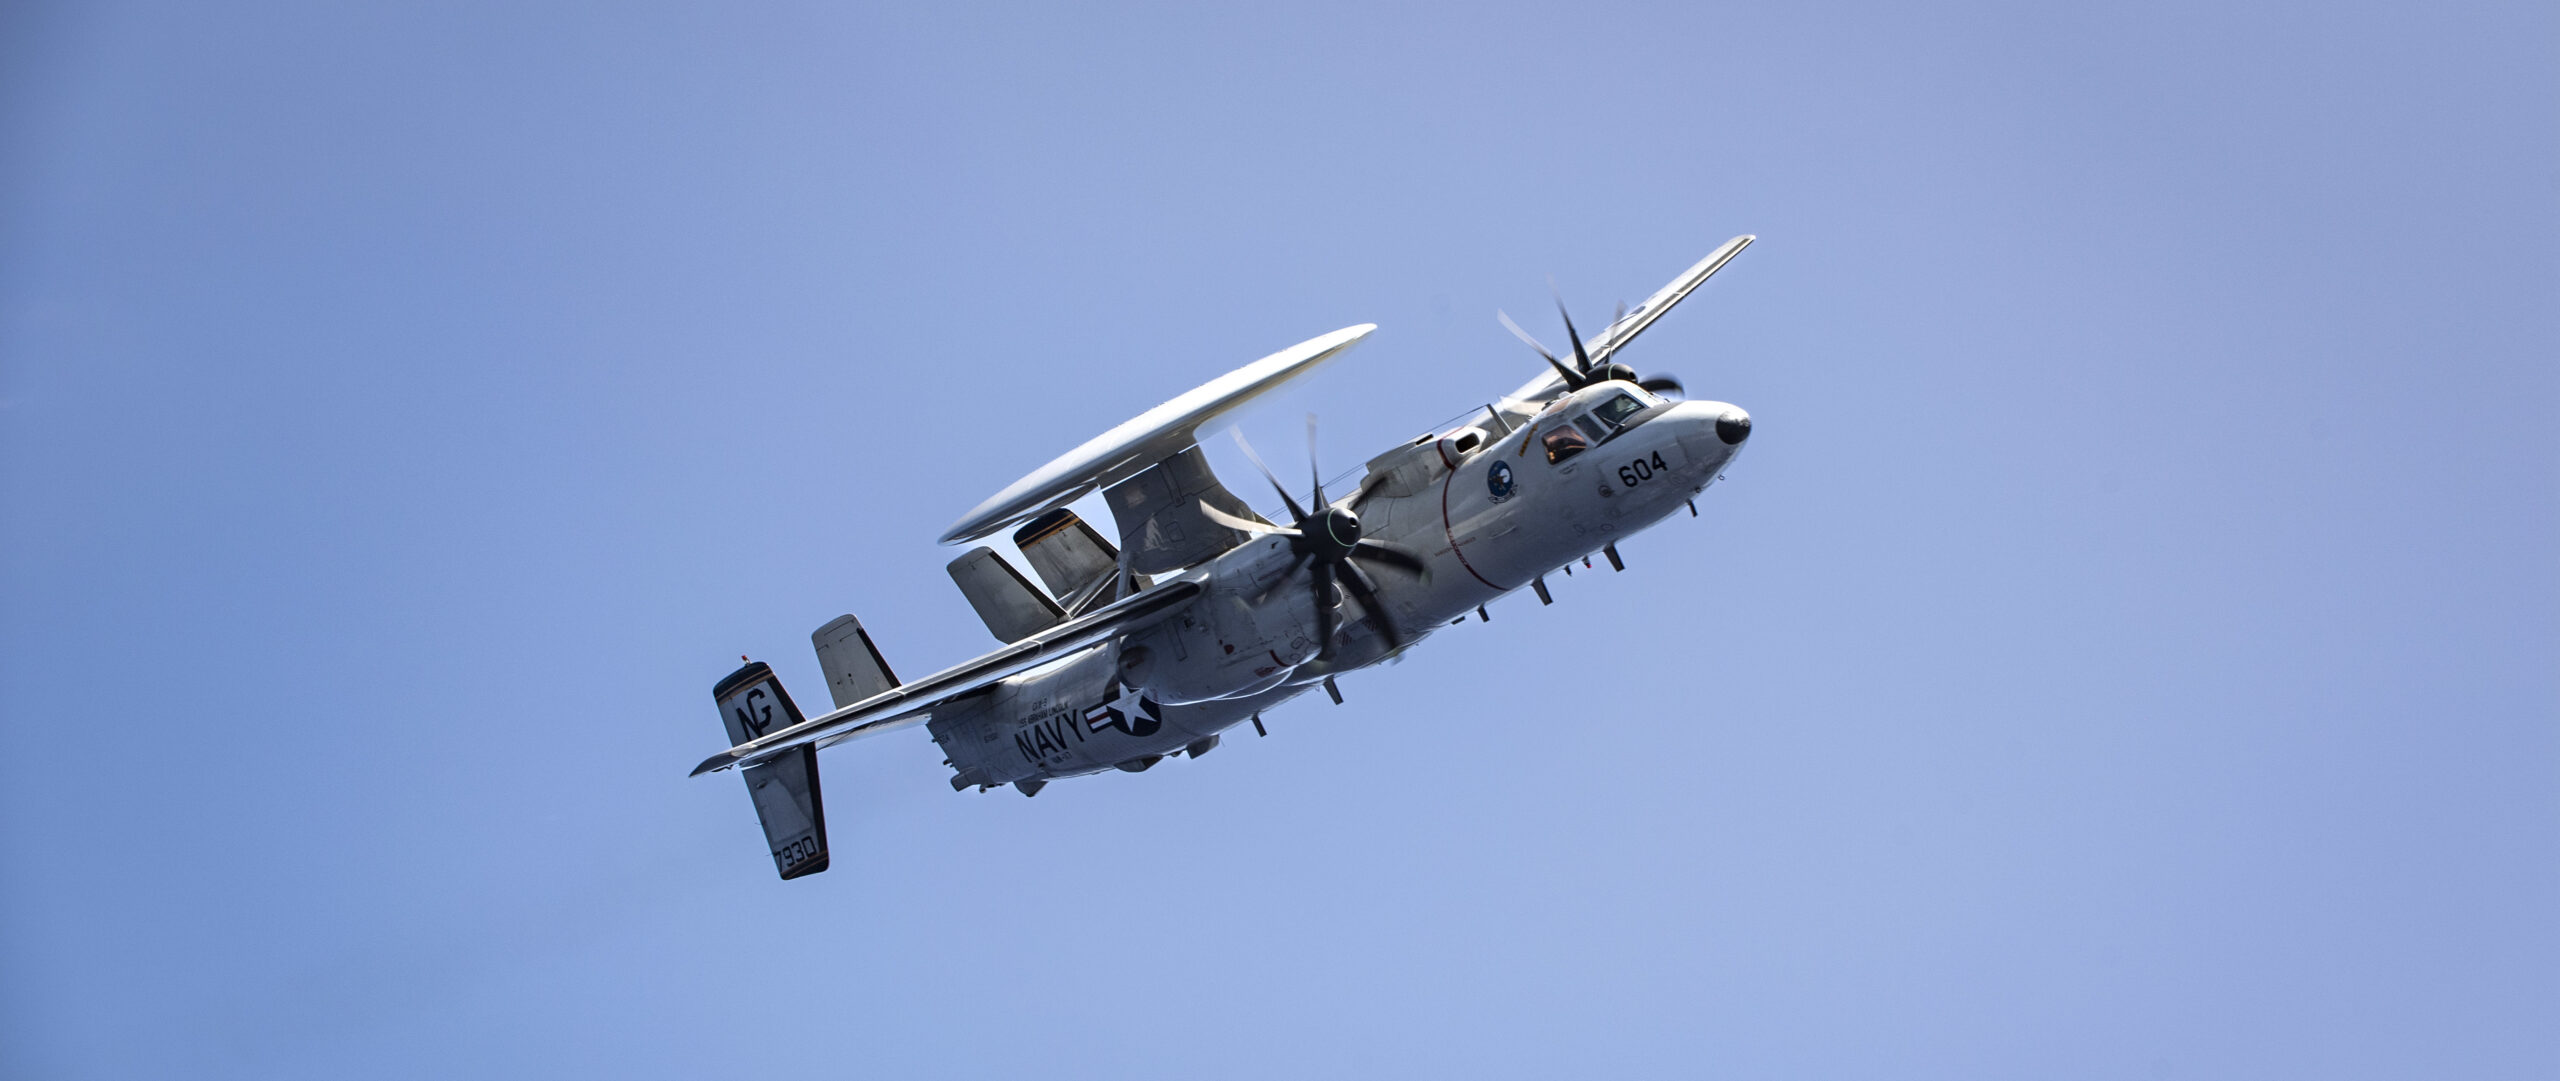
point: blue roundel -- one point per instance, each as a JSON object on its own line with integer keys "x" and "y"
{"x": 1497, "y": 480}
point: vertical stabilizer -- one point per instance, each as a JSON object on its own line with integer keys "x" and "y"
{"x": 1158, "y": 510}
{"x": 853, "y": 664}
{"x": 785, "y": 788}
{"x": 1066, "y": 551}
{"x": 1011, "y": 606}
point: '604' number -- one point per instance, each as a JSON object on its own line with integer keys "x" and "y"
{"x": 1641, "y": 470}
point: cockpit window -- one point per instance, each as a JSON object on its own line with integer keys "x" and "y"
{"x": 1591, "y": 427}
{"x": 1564, "y": 441}
{"x": 1616, "y": 410}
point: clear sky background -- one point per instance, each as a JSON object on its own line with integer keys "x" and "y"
{"x": 2130, "y": 649}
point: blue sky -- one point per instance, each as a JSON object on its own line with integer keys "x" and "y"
{"x": 2128, "y": 649}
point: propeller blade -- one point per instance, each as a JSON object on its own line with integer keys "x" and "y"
{"x": 1232, "y": 522}
{"x": 1664, "y": 384}
{"x": 1313, "y": 469}
{"x": 1396, "y": 556}
{"x": 1571, "y": 380}
{"x": 1361, "y": 591}
{"x": 1580, "y": 359}
{"x": 1523, "y": 335}
{"x": 1324, "y": 614}
{"x": 1296, "y": 512}
{"x": 1570, "y": 377}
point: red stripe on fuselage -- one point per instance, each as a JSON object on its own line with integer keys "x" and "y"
{"x": 1451, "y": 532}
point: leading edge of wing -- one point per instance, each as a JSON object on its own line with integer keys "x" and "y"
{"x": 884, "y": 711}
{"x": 1148, "y": 438}
{"x": 1626, "y": 327}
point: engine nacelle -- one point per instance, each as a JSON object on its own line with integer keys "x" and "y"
{"x": 1228, "y": 644}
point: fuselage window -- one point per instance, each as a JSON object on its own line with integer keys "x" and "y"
{"x": 1615, "y": 411}
{"x": 1564, "y": 441}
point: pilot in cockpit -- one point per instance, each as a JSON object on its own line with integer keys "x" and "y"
{"x": 1564, "y": 440}
{"x": 1613, "y": 414}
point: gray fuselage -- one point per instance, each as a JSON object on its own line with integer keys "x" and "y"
{"x": 1490, "y": 507}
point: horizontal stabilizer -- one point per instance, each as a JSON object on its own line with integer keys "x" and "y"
{"x": 911, "y": 702}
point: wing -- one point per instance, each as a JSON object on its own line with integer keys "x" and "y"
{"x": 1151, "y": 437}
{"x": 910, "y": 703}
{"x": 1627, "y": 326}
{"x": 1617, "y": 334}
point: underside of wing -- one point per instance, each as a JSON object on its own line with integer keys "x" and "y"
{"x": 911, "y": 703}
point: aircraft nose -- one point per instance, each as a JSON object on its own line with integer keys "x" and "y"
{"x": 1712, "y": 432}
{"x": 1733, "y": 426}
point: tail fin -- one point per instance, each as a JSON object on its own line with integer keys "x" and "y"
{"x": 785, "y": 789}
{"x": 853, "y": 664}
{"x": 1012, "y": 608}
{"x": 1068, "y": 554}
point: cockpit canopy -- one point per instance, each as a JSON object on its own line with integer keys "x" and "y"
{"x": 1593, "y": 417}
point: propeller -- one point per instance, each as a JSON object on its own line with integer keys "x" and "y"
{"x": 1327, "y": 540}
{"x": 1585, "y": 370}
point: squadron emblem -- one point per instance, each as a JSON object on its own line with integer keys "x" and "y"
{"x": 1497, "y": 481}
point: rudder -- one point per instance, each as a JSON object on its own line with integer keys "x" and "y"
{"x": 785, "y": 788}
{"x": 852, "y": 661}
{"x": 1012, "y": 608}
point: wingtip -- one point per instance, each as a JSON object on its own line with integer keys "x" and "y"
{"x": 713, "y": 764}
{"x": 1343, "y": 339}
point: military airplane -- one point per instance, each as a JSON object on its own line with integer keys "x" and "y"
{"x": 1204, "y": 614}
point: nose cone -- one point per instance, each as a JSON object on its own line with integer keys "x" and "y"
{"x": 1733, "y": 426}
{"x": 1712, "y": 433}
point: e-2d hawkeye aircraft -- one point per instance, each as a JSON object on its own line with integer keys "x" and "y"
{"x": 1205, "y": 614}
